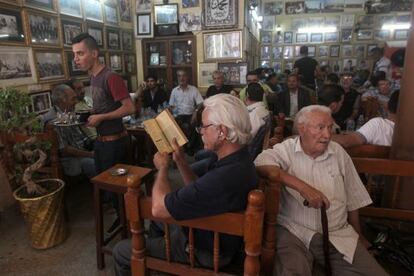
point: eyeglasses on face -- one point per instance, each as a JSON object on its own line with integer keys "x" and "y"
{"x": 199, "y": 128}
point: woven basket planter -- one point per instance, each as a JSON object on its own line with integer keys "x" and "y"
{"x": 44, "y": 216}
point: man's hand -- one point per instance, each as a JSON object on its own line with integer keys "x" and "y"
{"x": 178, "y": 153}
{"x": 94, "y": 120}
{"x": 161, "y": 160}
{"x": 314, "y": 197}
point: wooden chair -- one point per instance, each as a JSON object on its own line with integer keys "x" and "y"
{"x": 247, "y": 224}
{"x": 278, "y": 132}
{"x": 369, "y": 151}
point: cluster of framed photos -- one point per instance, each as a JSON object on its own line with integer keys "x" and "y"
{"x": 234, "y": 73}
{"x": 41, "y": 28}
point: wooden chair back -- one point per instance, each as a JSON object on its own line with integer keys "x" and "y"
{"x": 369, "y": 151}
{"x": 370, "y": 108}
{"x": 278, "y": 132}
{"x": 387, "y": 167}
{"x": 247, "y": 224}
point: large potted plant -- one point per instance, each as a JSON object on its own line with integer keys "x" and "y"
{"x": 26, "y": 151}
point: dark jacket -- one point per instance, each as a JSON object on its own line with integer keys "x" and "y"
{"x": 159, "y": 98}
{"x": 283, "y": 103}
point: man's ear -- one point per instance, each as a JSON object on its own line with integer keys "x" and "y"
{"x": 300, "y": 128}
{"x": 95, "y": 53}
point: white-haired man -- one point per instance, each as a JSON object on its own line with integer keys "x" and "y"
{"x": 225, "y": 130}
{"x": 318, "y": 171}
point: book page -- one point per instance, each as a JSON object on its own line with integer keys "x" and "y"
{"x": 170, "y": 128}
{"x": 154, "y": 131}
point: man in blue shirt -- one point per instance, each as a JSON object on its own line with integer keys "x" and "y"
{"x": 225, "y": 130}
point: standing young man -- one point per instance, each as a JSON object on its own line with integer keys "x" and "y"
{"x": 111, "y": 101}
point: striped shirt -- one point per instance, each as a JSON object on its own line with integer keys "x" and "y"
{"x": 332, "y": 173}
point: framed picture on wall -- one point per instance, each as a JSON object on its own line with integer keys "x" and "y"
{"x": 73, "y": 70}
{"x": 205, "y": 73}
{"x": 223, "y": 45}
{"x": 43, "y": 29}
{"x": 97, "y": 32}
{"x": 40, "y": 4}
{"x": 18, "y": 66}
{"x": 215, "y": 18}
{"x": 166, "y": 14}
{"x": 115, "y": 62}
{"x": 316, "y": 37}
{"x": 334, "y": 51}
{"x": 70, "y": 29}
{"x": 93, "y": 10}
{"x": 359, "y": 51}
{"x": 311, "y": 51}
{"x": 266, "y": 37}
{"x": 401, "y": 34}
{"x": 323, "y": 51}
{"x": 365, "y": 35}
{"x": 111, "y": 15}
{"x": 234, "y": 73}
{"x": 70, "y": 7}
{"x": 143, "y": 6}
{"x": 347, "y": 51}
{"x": 277, "y": 52}
{"x": 130, "y": 63}
{"x": 331, "y": 37}
{"x": 49, "y": 65}
{"x": 113, "y": 39}
{"x": 41, "y": 101}
{"x": 382, "y": 35}
{"x": 125, "y": 10}
{"x": 144, "y": 24}
{"x": 127, "y": 40}
{"x": 288, "y": 37}
{"x": 12, "y": 26}
{"x": 301, "y": 38}
{"x": 346, "y": 35}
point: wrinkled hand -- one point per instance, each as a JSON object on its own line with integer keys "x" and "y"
{"x": 314, "y": 197}
{"x": 178, "y": 153}
{"x": 94, "y": 120}
{"x": 161, "y": 160}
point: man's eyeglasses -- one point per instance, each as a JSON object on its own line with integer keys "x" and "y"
{"x": 199, "y": 128}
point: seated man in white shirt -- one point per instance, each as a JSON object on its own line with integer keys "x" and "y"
{"x": 377, "y": 131}
{"x": 319, "y": 171}
{"x": 258, "y": 112}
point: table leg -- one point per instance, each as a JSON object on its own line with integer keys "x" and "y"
{"x": 100, "y": 258}
{"x": 122, "y": 217}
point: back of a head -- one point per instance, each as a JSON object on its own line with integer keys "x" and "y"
{"x": 393, "y": 102}
{"x": 71, "y": 82}
{"x": 254, "y": 92}
{"x": 154, "y": 77}
{"x": 59, "y": 94}
{"x": 330, "y": 93}
{"x": 332, "y": 78}
{"x": 230, "y": 111}
{"x": 86, "y": 38}
{"x": 377, "y": 76}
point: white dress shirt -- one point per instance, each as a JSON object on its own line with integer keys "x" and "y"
{"x": 185, "y": 101}
{"x": 378, "y": 131}
{"x": 257, "y": 113}
{"x": 332, "y": 173}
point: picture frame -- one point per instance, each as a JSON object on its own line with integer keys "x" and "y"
{"x": 113, "y": 38}
{"x": 288, "y": 65}
{"x": 205, "y": 73}
{"x": 166, "y": 14}
{"x": 277, "y": 52}
{"x": 96, "y": 31}
{"x": 297, "y": 51}
{"x": 41, "y": 101}
{"x": 323, "y": 51}
{"x": 190, "y": 3}
{"x": 347, "y": 51}
{"x": 382, "y": 35}
{"x": 20, "y": 68}
{"x": 111, "y": 15}
{"x": 272, "y": 8}
{"x": 359, "y": 51}
{"x": 70, "y": 7}
{"x": 266, "y": 37}
{"x": 223, "y": 45}
{"x": 347, "y": 20}
{"x": 331, "y": 37}
{"x": 288, "y": 52}
{"x": 49, "y": 65}
{"x": 336, "y": 65}
{"x": 311, "y": 51}
{"x": 144, "y": 25}
{"x": 370, "y": 47}
{"x": 287, "y": 37}
{"x": 93, "y": 10}
{"x": 234, "y": 73}
{"x": 365, "y": 34}
{"x": 366, "y": 21}
{"x": 103, "y": 59}
{"x": 70, "y": 29}
{"x": 301, "y": 37}
{"x": 277, "y": 67}
{"x": 40, "y": 4}
{"x": 346, "y": 35}
{"x": 265, "y": 52}
{"x": 400, "y": 34}
{"x": 316, "y": 37}
{"x": 72, "y": 69}
{"x": 143, "y": 6}
{"x": 190, "y": 22}
{"x": 127, "y": 39}
{"x": 130, "y": 64}
{"x": 215, "y": 18}
{"x": 125, "y": 10}
{"x": 334, "y": 50}
{"x": 296, "y": 7}
{"x": 154, "y": 59}
{"x": 166, "y": 29}
{"x": 349, "y": 64}
{"x": 265, "y": 63}
{"x": 43, "y": 29}
{"x": 115, "y": 61}
{"x": 268, "y": 23}
{"x": 11, "y": 31}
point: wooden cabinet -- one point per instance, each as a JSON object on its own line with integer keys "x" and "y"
{"x": 163, "y": 57}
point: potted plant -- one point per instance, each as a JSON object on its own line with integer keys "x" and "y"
{"x": 25, "y": 153}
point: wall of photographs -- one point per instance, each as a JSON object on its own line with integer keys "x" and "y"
{"x": 35, "y": 40}
{"x": 358, "y": 29}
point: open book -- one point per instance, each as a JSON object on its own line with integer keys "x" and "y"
{"x": 163, "y": 129}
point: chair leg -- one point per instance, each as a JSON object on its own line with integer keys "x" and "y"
{"x": 100, "y": 258}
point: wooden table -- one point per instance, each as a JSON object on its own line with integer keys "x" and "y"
{"x": 118, "y": 184}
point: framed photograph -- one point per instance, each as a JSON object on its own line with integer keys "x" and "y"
{"x": 347, "y": 51}
{"x": 154, "y": 59}
{"x": 336, "y": 65}
{"x": 273, "y": 8}
{"x": 268, "y": 23}
{"x": 311, "y": 51}
{"x": 365, "y": 35}
{"x": 115, "y": 61}
{"x": 288, "y": 65}
{"x": 93, "y": 10}
{"x": 125, "y": 10}
{"x": 301, "y": 38}
{"x": 298, "y": 23}
{"x": 277, "y": 67}
{"x": 366, "y": 21}
{"x": 385, "y": 19}
{"x": 349, "y": 65}
{"x": 217, "y": 17}
{"x": 277, "y": 52}
{"x": 144, "y": 24}
{"x": 49, "y": 65}
{"x": 265, "y": 52}
{"x": 223, "y": 45}
{"x": 359, "y": 51}
{"x": 333, "y": 21}
{"x": 43, "y": 29}
{"x": 382, "y": 35}
{"x": 277, "y": 37}
{"x": 70, "y": 7}
{"x": 401, "y": 34}
{"x": 143, "y": 6}
{"x": 113, "y": 39}
{"x": 296, "y": 7}
{"x": 205, "y": 73}
{"x": 111, "y": 15}
{"x": 316, "y": 37}
{"x": 288, "y": 52}
{"x": 381, "y": 6}
{"x": 331, "y": 37}
{"x": 363, "y": 64}
{"x": 265, "y": 63}
{"x": 18, "y": 66}
{"x": 371, "y": 46}
{"x": 40, "y": 4}
{"x": 41, "y": 101}
{"x": 288, "y": 37}
{"x": 190, "y": 3}
{"x": 166, "y": 14}
{"x": 234, "y": 73}
{"x": 130, "y": 63}
{"x": 102, "y": 58}
{"x": 346, "y": 35}
{"x": 70, "y": 29}
{"x": 190, "y": 22}
{"x": 297, "y": 51}
{"x": 266, "y": 37}
{"x": 347, "y": 20}
{"x": 97, "y": 32}
{"x": 334, "y": 51}
{"x": 11, "y": 27}
{"x": 127, "y": 40}
{"x": 73, "y": 70}
{"x": 323, "y": 51}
